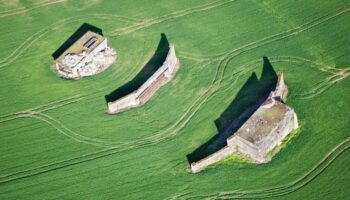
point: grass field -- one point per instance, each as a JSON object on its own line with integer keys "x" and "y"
{"x": 57, "y": 142}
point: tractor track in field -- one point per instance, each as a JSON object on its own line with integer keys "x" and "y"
{"x": 281, "y": 190}
{"x": 189, "y": 113}
{"x": 273, "y": 38}
{"x": 336, "y": 74}
{"x": 61, "y": 164}
{"x": 42, "y": 108}
{"x": 225, "y": 58}
{"x": 320, "y": 66}
{"x": 26, "y": 9}
{"x": 288, "y": 33}
{"x": 153, "y": 21}
{"x": 322, "y": 86}
{"x": 64, "y": 130}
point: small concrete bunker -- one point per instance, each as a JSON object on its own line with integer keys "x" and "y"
{"x": 262, "y": 132}
{"x": 87, "y": 56}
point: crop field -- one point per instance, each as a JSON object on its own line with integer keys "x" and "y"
{"x": 58, "y": 142}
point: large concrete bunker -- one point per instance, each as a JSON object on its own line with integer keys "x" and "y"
{"x": 262, "y": 132}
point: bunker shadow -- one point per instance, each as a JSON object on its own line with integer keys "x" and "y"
{"x": 147, "y": 71}
{"x": 85, "y": 27}
{"x": 251, "y": 95}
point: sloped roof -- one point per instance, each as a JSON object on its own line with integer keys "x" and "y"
{"x": 263, "y": 121}
{"x": 78, "y": 46}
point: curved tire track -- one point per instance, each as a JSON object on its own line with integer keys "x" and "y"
{"x": 26, "y": 9}
{"x": 177, "y": 14}
{"x": 42, "y": 108}
{"x": 285, "y": 189}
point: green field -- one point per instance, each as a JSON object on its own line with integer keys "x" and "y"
{"x": 58, "y": 142}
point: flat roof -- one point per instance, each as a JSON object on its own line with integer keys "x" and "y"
{"x": 78, "y": 46}
{"x": 262, "y": 122}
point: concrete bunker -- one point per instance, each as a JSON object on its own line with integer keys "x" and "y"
{"x": 85, "y": 53}
{"x": 139, "y": 96}
{"x": 265, "y": 129}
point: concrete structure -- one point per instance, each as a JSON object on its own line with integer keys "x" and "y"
{"x": 281, "y": 90}
{"x": 139, "y": 97}
{"x": 263, "y": 131}
{"x": 88, "y": 56}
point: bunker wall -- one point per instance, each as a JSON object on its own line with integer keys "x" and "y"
{"x": 123, "y": 103}
{"x": 151, "y": 80}
{"x": 99, "y": 47}
{"x": 281, "y": 88}
{"x": 211, "y": 159}
{"x": 133, "y": 99}
{"x": 246, "y": 148}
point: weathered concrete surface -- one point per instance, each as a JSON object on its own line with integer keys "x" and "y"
{"x": 263, "y": 131}
{"x": 88, "y": 56}
{"x": 211, "y": 159}
{"x": 281, "y": 90}
{"x": 139, "y": 97}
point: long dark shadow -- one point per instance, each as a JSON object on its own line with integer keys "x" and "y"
{"x": 147, "y": 71}
{"x": 251, "y": 95}
{"x": 74, "y": 37}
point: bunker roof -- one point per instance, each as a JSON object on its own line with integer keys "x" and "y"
{"x": 263, "y": 121}
{"x": 86, "y": 42}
